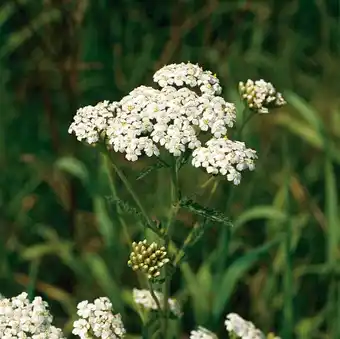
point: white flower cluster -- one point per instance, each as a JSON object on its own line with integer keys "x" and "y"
{"x": 98, "y": 321}
{"x": 20, "y": 318}
{"x": 260, "y": 95}
{"x": 145, "y": 299}
{"x": 242, "y": 328}
{"x": 91, "y": 121}
{"x": 190, "y": 75}
{"x": 202, "y": 333}
{"x": 175, "y": 116}
{"x": 224, "y": 156}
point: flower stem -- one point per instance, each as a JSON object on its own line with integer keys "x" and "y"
{"x": 133, "y": 194}
{"x": 158, "y": 332}
{"x": 107, "y": 162}
{"x": 154, "y": 296}
{"x": 175, "y": 205}
{"x": 181, "y": 252}
{"x": 248, "y": 114}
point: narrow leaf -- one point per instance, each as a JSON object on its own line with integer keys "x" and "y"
{"x": 235, "y": 272}
{"x": 102, "y": 276}
{"x": 73, "y": 166}
{"x": 260, "y": 212}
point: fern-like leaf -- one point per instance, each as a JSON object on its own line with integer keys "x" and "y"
{"x": 158, "y": 165}
{"x": 205, "y": 212}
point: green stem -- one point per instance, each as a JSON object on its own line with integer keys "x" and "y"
{"x": 134, "y": 196}
{"x": 181, "y": 252}
{"x": 157, "y": 334}
{"x": 245, "y": 120}
{"x": 154, "y": 297}
{"x": 107, "y": 163}
{"x": 175, "y": 202}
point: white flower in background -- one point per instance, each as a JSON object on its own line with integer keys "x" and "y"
{"x": 260, "y": 95}
{"x": 242, "y": 328}
{"x": 188, "y": 74}
{"x": 20, "y": 318}
{"x": 226, "y": 157}
{"x": 98, "y": 321}
{"x": 145, "y": 299}
{"x": 202, "y": 333}
{"x": 90, "y": 121}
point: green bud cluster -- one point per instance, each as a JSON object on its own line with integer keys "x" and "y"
{"x": 260, "y": 95}
{"x": 148, "y": 258}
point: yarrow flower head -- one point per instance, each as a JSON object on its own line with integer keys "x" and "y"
{"x": 145, "y": 299}
{"x": 226, "y": 157}
{"x": 202, "y": 333}
{"x": 260, "y": 95}
{"x": 20, "y": 318}
{"x": 242, "y": 328}
{"x": 188, "y": 74}
{"x": 91, "y": 121}
{"x": 148, "y": 258}
{"x": 98, "y": 321}
{"x": 185, "y": 111}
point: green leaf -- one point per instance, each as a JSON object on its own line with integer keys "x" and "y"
{"x": 332, "y": 208}
{"x": 17, "y": 39}
{"x": 104, "y": 279}
{"x": 260, "y": 212}
{"x": 73, "y": 166}
{"x": 196, "y": 292}
{"x": 308, "y": 134}
{"x": 235, "y": 272}
{"x": 332, "y": 199}
{"x": 124, "y": 205}
{"x": 8, "y": 9}
{"x": 305, "y": 110}
{"x": 205, "y": 212}
{"x": 41, "y": 250}
{"x": 105, "y": 224}
{"x": 149, "y": 169}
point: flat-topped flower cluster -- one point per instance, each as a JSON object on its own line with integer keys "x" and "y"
{"x": 22, "y": 318}
{"x": 98, "y": 321}
{"x": 186, "y": 106}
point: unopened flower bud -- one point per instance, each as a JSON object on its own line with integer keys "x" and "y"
{"x": 148, "y": 258}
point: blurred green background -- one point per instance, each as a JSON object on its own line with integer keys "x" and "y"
{"x": 62, "y": 236}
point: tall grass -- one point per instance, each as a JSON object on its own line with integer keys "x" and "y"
{"x": 63, "y": 235}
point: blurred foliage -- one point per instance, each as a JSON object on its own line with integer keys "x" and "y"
{"x": 62, "y": 236}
